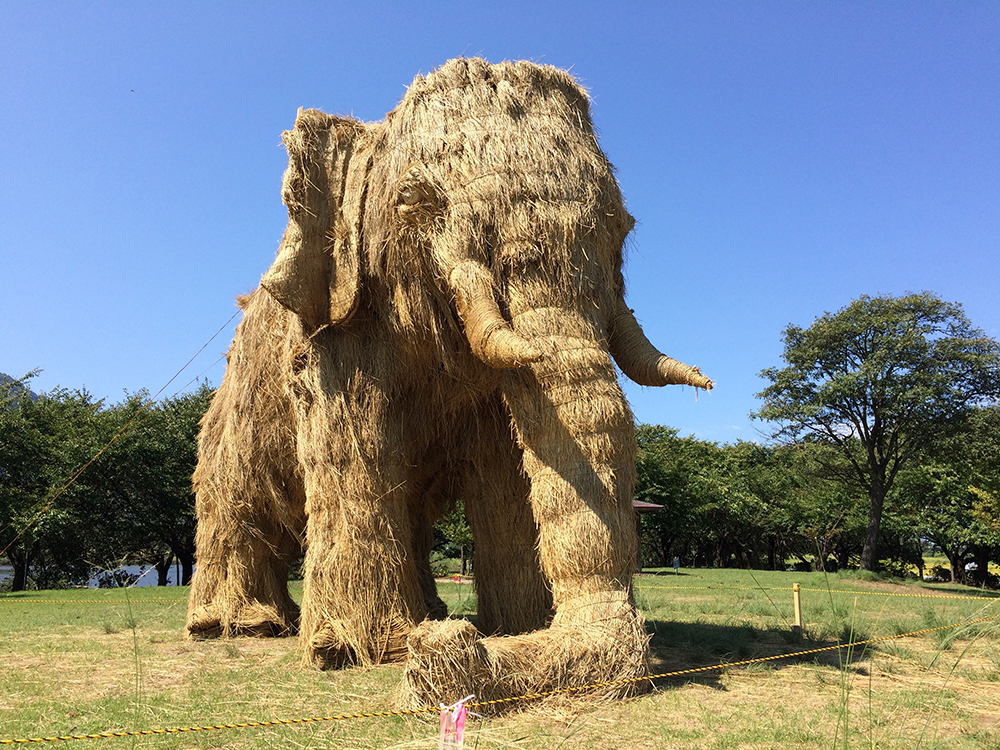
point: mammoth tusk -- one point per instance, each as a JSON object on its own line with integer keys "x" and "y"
{"x": 641, "y": 361}
{"x": 488, "y": 333}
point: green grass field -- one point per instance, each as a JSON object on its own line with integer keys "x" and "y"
{"x": 89, "y": 661}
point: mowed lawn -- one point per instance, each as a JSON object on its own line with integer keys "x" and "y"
{"x": 88, "y": 661}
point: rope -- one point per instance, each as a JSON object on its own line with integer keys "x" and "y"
{"x": 719, "y": 588}
{"x": 496, "y": 702}
{"x": 981, "y": 597}
{"x": 975, "y": 597}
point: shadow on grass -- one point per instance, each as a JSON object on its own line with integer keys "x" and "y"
{"x": 662, "y": 574}
{"x": 679, "y": 646}
{"x": 957, "y": 589}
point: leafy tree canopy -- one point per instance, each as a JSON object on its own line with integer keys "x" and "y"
{"x": 880, "y": 379}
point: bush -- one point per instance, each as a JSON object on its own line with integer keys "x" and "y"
{"x": 940, "y": 572}
{"x": 442, "y": 566}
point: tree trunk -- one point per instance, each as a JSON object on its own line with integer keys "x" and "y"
{"x": 823, "y": 551}
{"x": 184, "y": 551}
{"x": 955, "y": 563}
{"x": 162, "y": 566}
{"x": 876, "y": 497}
{"x": 20, "y": 561}
{"x": 187, "y": 568}
{"x": 843, "y": 554}
{"x": 20, "y": 579}
{"x": 742, "y": 560}
{"x": 666, "y": 543}
{"x": 981, "y": 555}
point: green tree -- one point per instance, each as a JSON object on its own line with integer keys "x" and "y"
{"x": 816, "y": 514}
{"x": 455, "y": 534}
{"x": 138, "y": 491}
{"x": 715, "y": 499}
{"x": 952, "y": 485}
{"x": 987, "y": 508}
{"x": 133, "y": 501}
{"x": 672, "y": 472}
{"x": 879, "y": 380}
{"x": 42, "y": 443}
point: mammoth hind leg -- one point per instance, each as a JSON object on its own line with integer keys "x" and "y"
{"x": 240, "y": 585}
{"x": 429, "y": 506}
{"x": 249, "y": 495}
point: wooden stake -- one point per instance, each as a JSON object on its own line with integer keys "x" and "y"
{"x": 797, "y": 603}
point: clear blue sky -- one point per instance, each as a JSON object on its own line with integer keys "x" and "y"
{"x": 782, "y": 158}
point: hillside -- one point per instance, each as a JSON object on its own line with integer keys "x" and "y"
{"x": 4, "y": 379}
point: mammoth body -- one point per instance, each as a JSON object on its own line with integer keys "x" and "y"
{"x": 441, "y": 322}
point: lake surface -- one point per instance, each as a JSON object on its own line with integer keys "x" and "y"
{"x": 147, "y": 575}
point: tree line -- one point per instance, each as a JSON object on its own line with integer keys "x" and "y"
{"x": 885, "y": 441}
{"x": 885, "y": 437}
{"x": 772, "y": 507}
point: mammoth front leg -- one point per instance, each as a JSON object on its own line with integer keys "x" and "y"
{"x": 362, "y": 594}
{"x": 513, "y": 595}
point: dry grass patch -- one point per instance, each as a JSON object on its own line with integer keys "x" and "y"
{"x": 64, "y": 673}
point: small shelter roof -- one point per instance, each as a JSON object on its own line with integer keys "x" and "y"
{"x": 641, "y": 506}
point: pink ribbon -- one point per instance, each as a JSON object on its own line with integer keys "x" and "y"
{"x": 453, "y": 724}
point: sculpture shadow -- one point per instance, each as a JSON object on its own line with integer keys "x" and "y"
{"x": 678, "y": 646}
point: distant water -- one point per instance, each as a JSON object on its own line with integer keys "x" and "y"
{"x": 147, "y": 575}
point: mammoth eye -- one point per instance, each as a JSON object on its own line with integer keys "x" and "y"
{"x": 409, "y": 195}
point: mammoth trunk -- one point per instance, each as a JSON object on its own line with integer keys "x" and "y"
{"x": 576, "y": 430}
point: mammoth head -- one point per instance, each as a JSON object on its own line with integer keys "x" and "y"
{"x": 486, "y": 181}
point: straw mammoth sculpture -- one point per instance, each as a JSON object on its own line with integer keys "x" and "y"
{"x": 440, "y": 322}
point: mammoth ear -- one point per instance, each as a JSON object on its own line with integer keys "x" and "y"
{"x": 316, "y": 272}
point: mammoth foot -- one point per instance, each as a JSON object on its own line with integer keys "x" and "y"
{"x": 255, "y": 620}
{"x": 204, "y": 622}
{"x": 598, "y": 638}
{"x": 436, "y": 609}
{"x": 336, "y": 645}
{"x": 328, "y": 649}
